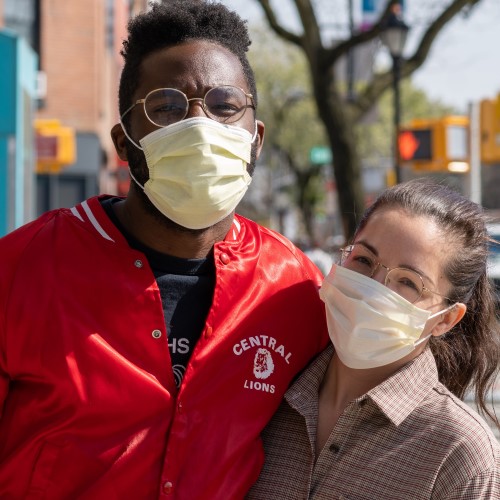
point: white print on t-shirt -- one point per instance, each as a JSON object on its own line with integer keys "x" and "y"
{"x": 179, "y": 346}
{"x": 179, "y": 371}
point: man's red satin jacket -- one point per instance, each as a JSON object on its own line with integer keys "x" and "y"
{"x": 89, "y": 407}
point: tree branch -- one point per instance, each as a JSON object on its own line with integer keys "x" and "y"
{"x": 312, "y": 33}
{"x": 330, "y": 56}
{"x": 381, "y": 82}
{"x": 276, "y": 26}
{"x": 432, "y": 32}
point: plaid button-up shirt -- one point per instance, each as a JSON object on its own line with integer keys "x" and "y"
{"x": 408, "y": 438}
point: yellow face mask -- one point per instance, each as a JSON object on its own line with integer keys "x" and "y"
{"x": 369, "y": 324}
{"x": 197, "y": 170}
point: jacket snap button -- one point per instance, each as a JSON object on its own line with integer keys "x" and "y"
{"x": 224, "y": 258}
{"x": 156, "y": 334}
{"x": 168, "y": 487}
{"x": 138, "y": 263}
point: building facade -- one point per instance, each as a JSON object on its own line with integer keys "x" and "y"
{"x": 78, "y": 46}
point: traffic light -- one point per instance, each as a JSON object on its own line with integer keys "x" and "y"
{"x": 415, "y": 145}
{"x": 439, "y": 144}
{"x": 55, "y": 146}
{"x": 490, "y": 130}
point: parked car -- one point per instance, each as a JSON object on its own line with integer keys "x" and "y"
{"x": 494, "y": 257}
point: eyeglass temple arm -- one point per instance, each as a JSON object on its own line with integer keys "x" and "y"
{"x": 139, "y": 101}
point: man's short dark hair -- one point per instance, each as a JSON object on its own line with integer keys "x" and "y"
{"x": 177, "y": 21}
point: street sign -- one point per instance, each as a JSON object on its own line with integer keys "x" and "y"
{"x": 320, "y": 155}
{"x": 46, "y": 147}
{"x": 55, "y": 146}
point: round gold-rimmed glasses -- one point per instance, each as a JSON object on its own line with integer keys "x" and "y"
{"x": 405, "y": 282}
{"x": 225, "y": 104}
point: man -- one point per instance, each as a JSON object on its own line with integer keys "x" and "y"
{"x": 145, "y": 342}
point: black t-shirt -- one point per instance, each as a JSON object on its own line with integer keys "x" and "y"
{"x": 186, "y": 289}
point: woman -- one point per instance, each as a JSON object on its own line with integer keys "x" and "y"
{"x": 411, "y": 316}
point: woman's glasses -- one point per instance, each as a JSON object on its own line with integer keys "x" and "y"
{"x": 405, "y": 282}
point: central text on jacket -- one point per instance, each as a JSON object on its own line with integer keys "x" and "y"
{"x": 262, "y": 340}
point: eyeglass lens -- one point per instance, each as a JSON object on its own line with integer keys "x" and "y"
{"x": 404, "y": 282}
{"x": 224, "y": 104}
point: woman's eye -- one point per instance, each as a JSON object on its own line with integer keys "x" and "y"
{"x": 408, "y": 283}
{"x": 364, "y": 261}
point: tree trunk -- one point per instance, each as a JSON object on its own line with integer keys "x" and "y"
{"x": 339, "y": 116}
{"x": 304, "y": 180}
{"x": 346, "y": 165}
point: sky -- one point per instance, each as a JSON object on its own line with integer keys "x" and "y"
{"x": 464, "y": 64}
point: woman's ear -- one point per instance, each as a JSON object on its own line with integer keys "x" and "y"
{"x": 448, "y": 319}
{"x": 119, "y": 140}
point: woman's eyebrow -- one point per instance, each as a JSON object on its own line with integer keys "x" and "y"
{"x": 374, "y": 251}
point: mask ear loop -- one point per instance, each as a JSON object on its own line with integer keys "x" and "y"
{"x": 442, "y": 312}
{"x": 135, "y": 180}
{"x": 138, "y": 147}
{"x": 422, "y": 340}
{"x": 255, "y": 133}
{"x": 418, "y": 342}
{"x": 128, "y": 137}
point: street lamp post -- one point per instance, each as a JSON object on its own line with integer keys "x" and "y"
{"x": 394, "y": 38}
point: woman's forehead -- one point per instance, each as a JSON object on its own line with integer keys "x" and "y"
{"x": 406, "y": 238}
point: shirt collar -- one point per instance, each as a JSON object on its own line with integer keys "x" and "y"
{"x": 304, "y": 390}
{"x": 234, "y": 231}
{"x": 402, "y": 392}
{"x": 395, "y": 397}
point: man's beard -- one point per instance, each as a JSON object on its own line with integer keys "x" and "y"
{"x": 139, "y": 168}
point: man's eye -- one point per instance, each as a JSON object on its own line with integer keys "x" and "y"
{"x": 224, "y": 108}
{"x": 168, "y": 108}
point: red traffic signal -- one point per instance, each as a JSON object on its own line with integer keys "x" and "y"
{"x": 415, "y": 144}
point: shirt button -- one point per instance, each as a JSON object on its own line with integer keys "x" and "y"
{"x": 167, "y": 487}
{"x": 224, "y": 258}
{"x": 156, "y": 334}
{"x": 334, "y": 448}
{"x": 138, "y": 263}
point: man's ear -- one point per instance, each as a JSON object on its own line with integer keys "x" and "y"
{"x": 260, "y": 136}
{"x": 448, "y": 319}
{"x": 119, "y": 140}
